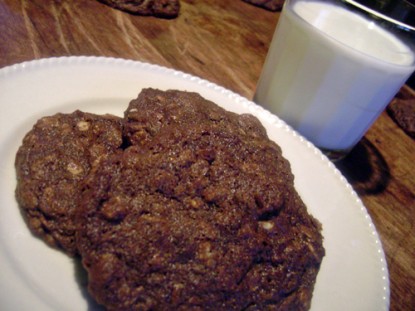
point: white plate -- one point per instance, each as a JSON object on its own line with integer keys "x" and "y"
{"x": 353, "y": 275}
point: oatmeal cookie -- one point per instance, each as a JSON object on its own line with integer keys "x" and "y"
{"x": 271, "y": 5}
{"x": 54, "y": 158}
{"x": 155, "y": 109}
{"x": 402, "y": 110}
{"x": 203, "y": 216}
{"x": 158, "y": 8}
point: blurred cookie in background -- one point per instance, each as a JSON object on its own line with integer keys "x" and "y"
{"x": 157, "y": 8}
{"x": 402, "y": 110}
{"x": 271, "y": 5}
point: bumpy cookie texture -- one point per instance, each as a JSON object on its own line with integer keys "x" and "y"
{"x": 203, "y": 216}
{"x": 54, "y": 158}
{"x": 155, "y": 109}
{"x": 158, "y": 8}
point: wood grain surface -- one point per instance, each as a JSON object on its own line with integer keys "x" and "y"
{"x": 224, "y": 42}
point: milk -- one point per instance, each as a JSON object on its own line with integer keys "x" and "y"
{"x": 326, "y": 81}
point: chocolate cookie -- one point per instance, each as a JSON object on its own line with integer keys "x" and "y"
{"x": 271, "y": 5}
{"x": 158, "y": 8}
{"x": 203, "y": 216}
{"x": 154, "y": 109}
{"x": 402, "y": 110}
{"x": 51, "y": 163}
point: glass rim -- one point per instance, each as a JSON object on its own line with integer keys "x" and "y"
{"x": 341, "y": 4}
{"x": 366, "y": 9}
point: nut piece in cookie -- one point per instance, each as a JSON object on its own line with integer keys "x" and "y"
{"x": 54, "y": 158}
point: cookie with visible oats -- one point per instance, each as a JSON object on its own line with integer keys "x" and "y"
{"x": 154, "y": 109}
{"x": 54, "y": 158}
{"x": 201, "y": 216}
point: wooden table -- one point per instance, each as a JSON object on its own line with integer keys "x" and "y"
{"x": 225, "y": 42}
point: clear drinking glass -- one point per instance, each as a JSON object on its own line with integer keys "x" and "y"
{"x": 334, "y": 65}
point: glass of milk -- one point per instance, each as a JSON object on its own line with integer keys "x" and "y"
{"x": 332, "y": 68}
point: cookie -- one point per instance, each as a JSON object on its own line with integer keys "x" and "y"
{"x": 54, "y": 158}
{"x": 402, "y": 110}
{"x": 271, "y": 5}
{"x": 155, "y": 109}
{"x": 203, "y": 216}
{"x": 158, "y": 8}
